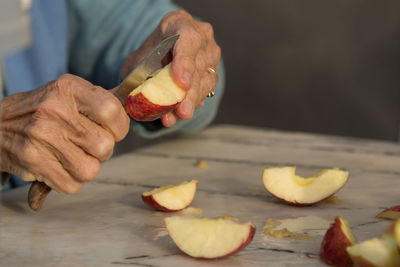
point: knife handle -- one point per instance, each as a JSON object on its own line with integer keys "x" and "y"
{"x": 37, "y": 195}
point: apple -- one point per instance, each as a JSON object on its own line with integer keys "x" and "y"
{"x": 284, "y": 184}
{"x": 392, "y": 213}
{"x": 333, "y": 247}
{"x": 155, "y": 96}
{"x": 171, "y": 197}
{"x": 397, "y": 232}
{"x": 376, "y": 252}
{"x": 209, "y": 238}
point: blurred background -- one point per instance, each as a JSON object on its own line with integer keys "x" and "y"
{"x": 329, "y": 67}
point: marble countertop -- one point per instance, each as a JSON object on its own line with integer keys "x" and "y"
{"x": 107, "y": 224}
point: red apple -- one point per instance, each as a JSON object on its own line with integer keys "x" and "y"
{"x": 209, "y": 238}
{"x": 155, "y": 97}
{"x": 171, "y": 197}
{"x": 376, "y": 252}
{"x": 284, "y": 184}
{"x": 392, "y": 213}
{"x": 333, "y": 247}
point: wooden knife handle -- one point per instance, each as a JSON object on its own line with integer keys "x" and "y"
{"x": 37, "y": 194}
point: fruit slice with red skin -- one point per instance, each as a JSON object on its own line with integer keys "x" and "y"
{"x": 209, "y": 238}
{"x": 376, "y": 252}
{"x": 171, "y": 197}
{"x": 333, "y": 247}
{"x": 155, "y": 96}
{"x": 284, "y": 184}
{"x": 392, "y": 213}
{"x": 397, "y": 233}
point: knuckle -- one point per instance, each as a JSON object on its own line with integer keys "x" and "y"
{"x": 104, "y": 146}
{"x": 90, "y": 170}
{"x": 124, "y": 129}
{"x": 110, "y": 109}
{"x": 207, "y": 29}
{"x": 65, "y": 81}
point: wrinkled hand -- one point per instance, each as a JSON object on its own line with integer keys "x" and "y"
{"x": 193, "y": 53}
{"x": 60, "y": 133}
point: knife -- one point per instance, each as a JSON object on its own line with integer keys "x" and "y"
{"x": 150, "y": 63}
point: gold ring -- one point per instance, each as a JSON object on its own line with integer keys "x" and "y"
{"x": 211, "y": 94}
{"x": 211, "y": 70}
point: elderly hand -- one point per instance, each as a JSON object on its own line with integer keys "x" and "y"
{"x": 194, "y": 57}
{"x": 60, "y": 133}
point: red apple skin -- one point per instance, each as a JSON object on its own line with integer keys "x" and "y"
{"x": 333, "y": 246}
{"x": 394, "y": 210}
{"x": 149, "y": 200}
{"x": 245, "y": 243}
{"x": 141, "y": 109}
{"x": 299, "y": 204}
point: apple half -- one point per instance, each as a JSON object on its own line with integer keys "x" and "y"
{"x": 155, "y": 96}
{"x": 284, "y": 184}
{"x": 171, "y": 197}
{"x": 209, "y": 238}
{"x": 392, "y": 213}
{"x": 376, "y": 252}
{"x": 333, "y": 247}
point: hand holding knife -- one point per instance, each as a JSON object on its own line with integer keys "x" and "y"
{"x": 150, "y": 63}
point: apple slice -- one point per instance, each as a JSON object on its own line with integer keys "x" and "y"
{"x": 155, "y": 97}
{"x": 171, "y": 197}
{"x": 284, "y": 184}
{"x": 209, "y": 238}
{"x": 397, "y": 232}
{"x": 392, "y": 213}
{"x": 333, "y": 247}
{"x": 376, "y": 252}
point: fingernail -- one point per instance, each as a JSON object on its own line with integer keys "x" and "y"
{"x": 187, "y": 107}
{"x": 187, "y": 78}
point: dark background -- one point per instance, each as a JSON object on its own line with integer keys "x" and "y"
{"x": 315, "y": 66}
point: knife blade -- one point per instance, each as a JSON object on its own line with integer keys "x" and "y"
{"x": 150, "y": 63}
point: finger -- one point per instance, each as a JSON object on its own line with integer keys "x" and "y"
{"x": 185, "y": 52}
{"x": 97, "y": 104}
{"x": 169, "y": 119}
{"x": 91, "y": 137}
{"x": 79, "y": 164}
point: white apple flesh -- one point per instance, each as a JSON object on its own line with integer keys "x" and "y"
{"x": 209, "y": 238}
{"x": 155, "y": 96}
{"x": 284, "y": 184}
{"x": 171, "y": 197}
{"x": 377, "y": 252}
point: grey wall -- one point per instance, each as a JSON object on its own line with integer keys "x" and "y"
{"x": 311, "y": 65}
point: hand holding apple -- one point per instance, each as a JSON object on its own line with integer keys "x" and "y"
{"x": 193, "y": 53}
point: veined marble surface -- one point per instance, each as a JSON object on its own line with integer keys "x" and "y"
{"x": 107, "y": 224}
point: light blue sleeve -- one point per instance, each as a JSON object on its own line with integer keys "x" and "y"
{"x": 102, "y": 33}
